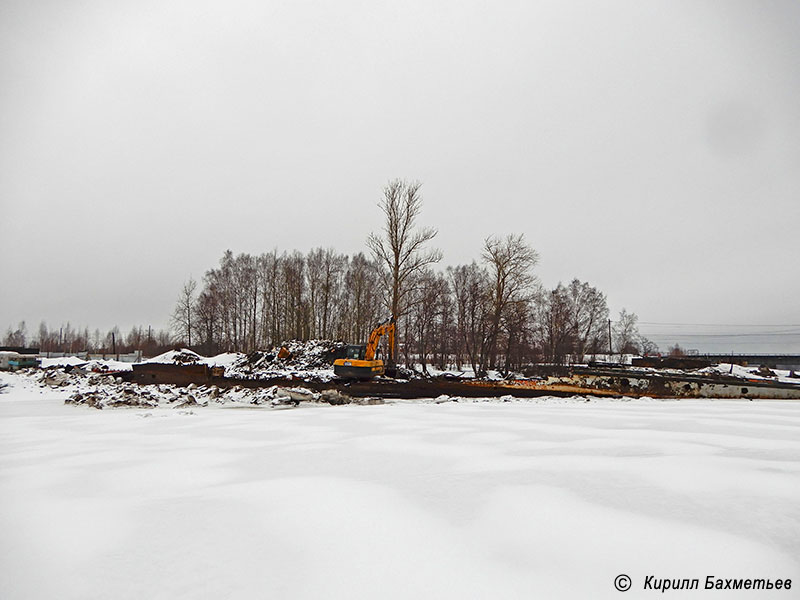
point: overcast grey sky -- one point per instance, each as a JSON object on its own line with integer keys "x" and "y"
{"x": 651, "y": 148}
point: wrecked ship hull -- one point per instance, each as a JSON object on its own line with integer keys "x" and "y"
{"x": 580, "y": 383}
{"x": 657, "y": 385}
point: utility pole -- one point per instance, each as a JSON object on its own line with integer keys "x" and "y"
{"x": 609, "y": 337}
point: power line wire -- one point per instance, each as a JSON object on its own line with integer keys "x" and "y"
{"x": 716, "y": 335}
{"x": 719, "y": 324}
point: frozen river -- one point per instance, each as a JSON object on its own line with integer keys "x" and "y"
{"x": 547, "y": 499}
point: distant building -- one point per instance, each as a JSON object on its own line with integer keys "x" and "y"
{"x": 13, "y": 358}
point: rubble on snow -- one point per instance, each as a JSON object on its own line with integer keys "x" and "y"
{"x": 312, "y": 359}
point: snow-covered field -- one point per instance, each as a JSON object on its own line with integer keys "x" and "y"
{"x": 542, "y": 499}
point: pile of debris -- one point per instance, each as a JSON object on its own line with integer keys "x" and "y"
{"x": 102, "y": 398}
{"x": 56, "y": 377}
{"x": 295, "y": 359}
{"x": 312, "y": 359}
{"x": 96, "y": 390}
{"x": 177, "y": 357}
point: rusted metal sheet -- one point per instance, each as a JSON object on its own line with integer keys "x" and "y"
{"x": 169, "y": 373}
{"x": 637, "y": 384}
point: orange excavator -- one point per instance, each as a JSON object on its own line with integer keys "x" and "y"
{"x": 360, "y": 361}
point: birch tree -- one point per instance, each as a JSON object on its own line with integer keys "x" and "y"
{"x": 183, "y": 315}
{"x": 509, "y": 261}
{"x": 400, "y": 248}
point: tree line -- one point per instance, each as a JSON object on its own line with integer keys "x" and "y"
{"x": 69, "y": 339}
{"x": 490, "y": 314}
{"x": 253, "y": 302}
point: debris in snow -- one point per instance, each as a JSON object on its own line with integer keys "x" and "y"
{"x": 369, "y": 400}
{"x": 741, "y": 372}
{"x": 764, "y": 371}
{"x": 335, "y": 397}
{"x": 102, "y": 391}
{"x": 304, "y": 360}
{"x": 188, "y": 401}
{"x": 301, "y": 394}
{"x": 95, "y": 400}
{"x": 52, "y": 378}
{"x": 284, "y": 401}
{"x": 106, "y": 366}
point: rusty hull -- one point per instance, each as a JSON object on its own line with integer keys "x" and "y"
{"x": 578, "y": 382}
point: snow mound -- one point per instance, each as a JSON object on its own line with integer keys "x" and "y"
{"x": 62, "y": 361}
{"x": 183, "y": 356}
{"x": 107, "y": 366}
{"x": 226, "y": 359}
{"x": 742, "y": 372}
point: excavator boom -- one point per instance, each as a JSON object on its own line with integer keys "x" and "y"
{"x": 387, "y": 329}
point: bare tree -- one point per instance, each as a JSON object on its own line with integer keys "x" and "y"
{"x": 44, "y": 338}
{"x": 269, "y": 269}
{"x": 183, "y": 315}
{"x": 135, "y": 338}
{"x": 588, "y": 318}
{"x": 470, "y": 286}
{"x": 444, "y": 331}
{"x": 626, "y": 333}
{"x": 324, "y": 272}
{"x": 401, "y": 247}
{"x": 315, "y": 262}
{"x": 676, "y": 351}
{"x": 361, "y": 302}
{"x": 247, "y": 297}
{"x": 207, "y": 319}
{"x": 555, "y": 324}
{"x": 16, "y": 337}
{"x": 647, "y": 347}
{"x": 517, "y": 323}
{"x": 510, "y": 261}
{"x": 426, "y": 310}
{"x": 295, "y": 298}
{"x": 113, "y": 340}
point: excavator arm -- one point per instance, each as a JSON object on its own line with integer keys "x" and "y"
{"x": 385, "y": 328}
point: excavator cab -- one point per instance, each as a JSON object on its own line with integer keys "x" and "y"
{"x": 356, "y": 352}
